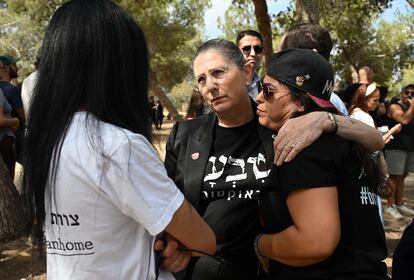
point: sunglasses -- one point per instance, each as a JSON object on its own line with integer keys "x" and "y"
{"x": 267, "y": 94}
{"x": 257, "y": 49}
{"x": 409, "y": 93}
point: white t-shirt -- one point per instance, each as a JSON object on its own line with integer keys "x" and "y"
{"x": 339, "y": 104}
{"x": 360, "y": 115}
{"x": 107, "y": 210}
{"x": 27, "y": 90}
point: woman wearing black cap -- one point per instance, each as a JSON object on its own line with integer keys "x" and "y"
{"x": 320, "y": 210}
{"x": 221, "y": 160}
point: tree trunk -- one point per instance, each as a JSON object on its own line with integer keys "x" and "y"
{"x": 411, "y": 3}
{"x": 12, "y": 222}
{"x": 263, "y": 23}
{"x": 307, "y": 11}
{"x": 352, "y": 66}
{"x": 165, "y": 101}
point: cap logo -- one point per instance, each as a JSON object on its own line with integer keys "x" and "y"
{"x": 328, "y": 87}
{"x": 301, "y": 79}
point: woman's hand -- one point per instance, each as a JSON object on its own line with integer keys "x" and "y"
{"x": 296, "y": 134}
{"x": 174, "y": 258}
{"x": 387, "y": 137}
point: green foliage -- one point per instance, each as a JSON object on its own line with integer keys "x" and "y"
{"x": 240, "y": 16}
{"x": 22, "y": 25}
{"x": 359, "y": 38}
{"x": 359, "y": 41}
{"x": 173, "y": 30}
{"x": 180, "y": 95}
{"x": 237, "y": 17}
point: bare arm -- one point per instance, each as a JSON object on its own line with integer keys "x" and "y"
{"x": 363, "y": 134}
{"x": 298, "y": 133}
{"x": 315, "y": 233}
{"x": 178, "y": 242}
{"x": 191, "y": 230}
{"x": 387, "y": 136}
{"x": 396, "y": 113}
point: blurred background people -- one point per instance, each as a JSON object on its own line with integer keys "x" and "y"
{"x": 399, "y": 153}
{"x": 365, "y": 75}
{"x": 250, "y": 43}
{"x": 365, "y": 100}
{"x": 8, "y": 72}
{"x": 195, "y": 106}
{"x": 159, "y": 115}
{"x": 7, "y": 137}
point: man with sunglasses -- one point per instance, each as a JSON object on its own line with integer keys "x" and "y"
{"x": 399, "y": 152}
{"x": 250, "y": 42}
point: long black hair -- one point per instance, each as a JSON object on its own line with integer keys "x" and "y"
{"x": 94, "y": 59}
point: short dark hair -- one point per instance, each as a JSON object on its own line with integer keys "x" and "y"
{"x": 308, "y": 36}
{"x": 228, "y": 49}
{"x": 405, "y": 88}
{"x": 248, "y": 32}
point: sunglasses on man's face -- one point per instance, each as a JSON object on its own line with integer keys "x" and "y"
{"x": 409, "y": 93}
{"x": 257, "y": 49}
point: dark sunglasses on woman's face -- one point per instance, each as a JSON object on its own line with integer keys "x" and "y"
{"x": 267, "y": 94}
{"x": 257, "y": 49}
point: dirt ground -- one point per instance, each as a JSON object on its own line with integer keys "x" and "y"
{"x": 18, "y": 261}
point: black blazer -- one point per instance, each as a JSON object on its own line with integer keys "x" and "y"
{"x": 188, "y": 149}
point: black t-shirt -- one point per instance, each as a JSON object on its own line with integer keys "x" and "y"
{"x": 236, "y": 171}
{"x": 330, "y": 161}
{"x": 403, "y": 258}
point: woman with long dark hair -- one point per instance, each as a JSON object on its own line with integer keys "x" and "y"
{"x": 98, "y": 187}
{"x": 320, "y": 210}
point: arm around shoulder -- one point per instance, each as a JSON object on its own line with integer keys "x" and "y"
{"x": 359, "y": 132}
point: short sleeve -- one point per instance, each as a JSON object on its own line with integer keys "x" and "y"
{"x": 363, "y": 117}
{"x": 137, "y": 183}
{"x": 315, "y": 166}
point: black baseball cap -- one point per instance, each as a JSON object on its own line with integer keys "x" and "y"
{"x": 305, "y": 70}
